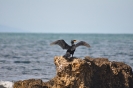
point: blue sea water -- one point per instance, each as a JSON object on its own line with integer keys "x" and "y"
{"x": 29, "y": 55}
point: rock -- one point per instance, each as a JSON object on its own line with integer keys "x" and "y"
{"x": 1, "y": 86}
{"x": 107, "y": 74}
{"x": 85, "y": 73}
{"x": 31, "y": 83}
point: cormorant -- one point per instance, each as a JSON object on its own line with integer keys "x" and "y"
{"x": 70, "y": 49}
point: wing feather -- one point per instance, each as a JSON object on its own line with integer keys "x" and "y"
{"x": 82, "y": 43}
{"x": 61, "y": 43}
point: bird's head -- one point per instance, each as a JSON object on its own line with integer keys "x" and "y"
{"x": 73, "y": 41}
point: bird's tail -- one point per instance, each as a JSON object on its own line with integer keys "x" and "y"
{"x": 67, "y": 55}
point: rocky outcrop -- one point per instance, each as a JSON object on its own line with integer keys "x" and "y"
{"x": 30, "y": 83}
{"x": 85, "y": 73}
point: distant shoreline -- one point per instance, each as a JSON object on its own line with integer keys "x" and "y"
{"x": 67, "y": 33}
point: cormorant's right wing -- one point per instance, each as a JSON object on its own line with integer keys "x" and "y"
{"x": 61, "y": 43}
{"x": 82, "y": 43}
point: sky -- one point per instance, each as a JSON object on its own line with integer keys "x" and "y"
{"x": 66, "y": 16}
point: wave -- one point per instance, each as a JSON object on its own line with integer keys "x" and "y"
{"x": 6, "y": 84}
{"x": 25, "y": 62}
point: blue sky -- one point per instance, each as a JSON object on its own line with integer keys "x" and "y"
{"x": 66, "y": 16}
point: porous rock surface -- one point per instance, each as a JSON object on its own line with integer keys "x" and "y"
{"x": 84, "y": 73}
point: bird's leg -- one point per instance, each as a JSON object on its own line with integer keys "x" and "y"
{"x": 72, "y": 55}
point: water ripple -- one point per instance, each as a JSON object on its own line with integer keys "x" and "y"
{"x": 25, "y": 62}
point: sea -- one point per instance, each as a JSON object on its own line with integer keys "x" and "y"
{"x": 30, "y": 55}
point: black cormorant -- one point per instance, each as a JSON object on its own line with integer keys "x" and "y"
{"x": 70, "y": 49}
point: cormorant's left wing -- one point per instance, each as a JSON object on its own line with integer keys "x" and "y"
{"x": 82, "y": 43}
{"x": 61, "y": 43}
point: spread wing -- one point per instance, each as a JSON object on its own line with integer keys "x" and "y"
{"x": 61, "y": 43}
{"x": 82, "y": 43}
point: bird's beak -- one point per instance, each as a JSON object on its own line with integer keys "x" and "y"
{"x": 75, "y": 40}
